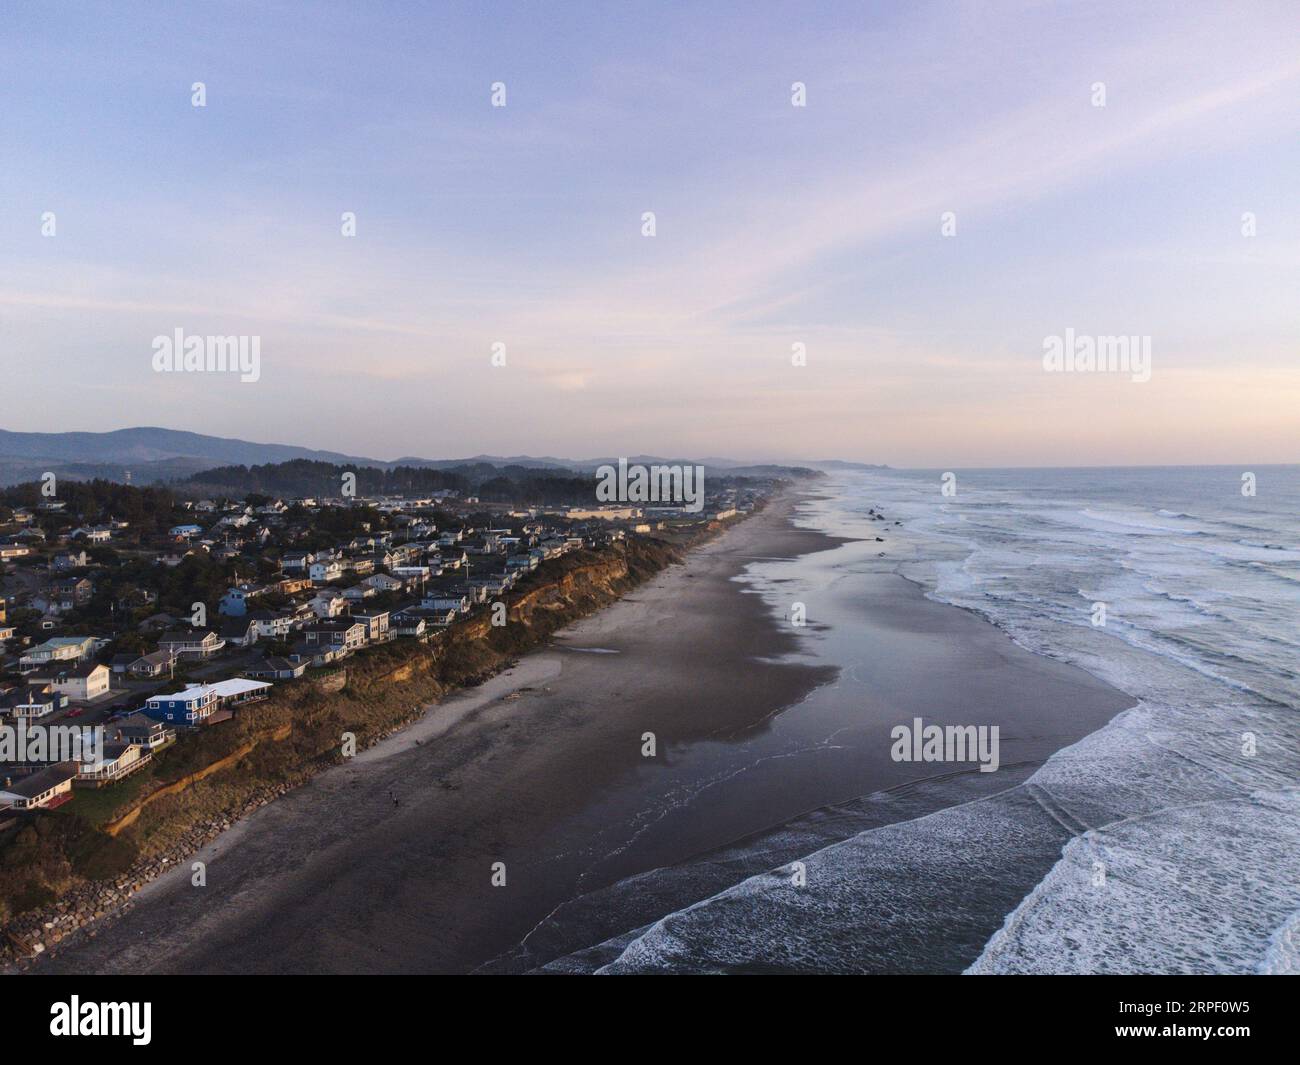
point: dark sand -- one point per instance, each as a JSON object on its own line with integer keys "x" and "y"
{"x": 542, "y": 769}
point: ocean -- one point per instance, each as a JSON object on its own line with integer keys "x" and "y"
{"x": 1163, "y": 839}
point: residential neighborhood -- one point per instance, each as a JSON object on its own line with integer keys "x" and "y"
{"x": 149, "y": 614}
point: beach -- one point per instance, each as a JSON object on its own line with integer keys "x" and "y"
{"x": 505, "y": 807}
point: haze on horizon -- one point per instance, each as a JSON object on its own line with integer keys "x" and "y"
{"x": 775, "y": 225}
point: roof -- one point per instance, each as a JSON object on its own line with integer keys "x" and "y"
{"x": 29, "y": 787}
{"x": 274, "y": 663}
{"x": 54, "y": 670}
{"x": 222, "y": 689}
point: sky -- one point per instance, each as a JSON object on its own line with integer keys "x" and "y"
{"x": 775, "y": 225}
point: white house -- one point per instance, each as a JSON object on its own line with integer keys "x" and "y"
{"x": 82, "y": 682}
{"x": 328, "y": 604}
{"x": 46, "y": 787}
{"x": 322, "y": 571}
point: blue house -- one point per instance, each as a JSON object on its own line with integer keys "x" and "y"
{"x": 187, "y": 708}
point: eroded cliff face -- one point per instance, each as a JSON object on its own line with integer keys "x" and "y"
{"x": 72, "y": 867}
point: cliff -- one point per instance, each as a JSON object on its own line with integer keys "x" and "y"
{"x": 62, "y": 869}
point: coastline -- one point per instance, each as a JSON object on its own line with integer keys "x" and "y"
{"x": 541, "y": 768}
{"x": 307, "y": 826}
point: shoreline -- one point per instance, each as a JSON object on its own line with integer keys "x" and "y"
{"x": 466, "y": 717}
{"x": 540, "y": 768}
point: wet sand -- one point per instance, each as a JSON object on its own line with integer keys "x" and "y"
{"x": 542, "y": 769}
{"x": 335, "y": 878}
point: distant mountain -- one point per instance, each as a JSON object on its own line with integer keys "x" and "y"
{"x": 151, "y": 444}
{"x": 150, "y": 454}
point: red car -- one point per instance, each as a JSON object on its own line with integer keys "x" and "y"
{"x": 75, "y": 713}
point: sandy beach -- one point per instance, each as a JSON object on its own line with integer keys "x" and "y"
{"x": 542, "y": 769}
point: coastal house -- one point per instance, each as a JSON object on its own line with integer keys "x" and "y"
{"x": 58, "y": 649}
{"x": 46, "y": 788}
{"x": 236, "y": 600}
{"x": 191, "y": 643}
{"x": 346, "y": 634}
{"x": 275, "y": 668}
{"x": 154, "y": 664}
{"x": 297, "y": 562}
{"x": 328, "y": 604}
{"x": 188, "y": 708}
{"x": 117, "y": 759}
{"x": 410, "y": 623}
{"x": 239, "y": 632}
{"x": 81, "y": 681}
{"x": 323, "y": 571}
{"x": 143, "y": 731}
{"x": 383, "y": 582}
{"x": 271, "y": 624}
{"x": 376, "y": 623}
{"x": 446, "y": 601}
{"x": 433, "y": 618}
{"x": 31, "y": 702}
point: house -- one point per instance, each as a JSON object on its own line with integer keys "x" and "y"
{"x": 30, "y": 703}
{"x": 358, "y": 592}
{"x": 82, "y": 682}
{"x": 234, "y": 692}
{"x": 275, "y": 669}
{"x": 120, "y": 663}
{"x": 143, "y": 731}
{"x": 8, "y": 551}
{"x": 408, "y": 617}
{"x": 328, "y": 604}
{"x": 235, "y": 602}
{"x": 410, "y": 623}
{"x": 95, "y": 534}
{"x": 375, "y": 621}
{"x": 66, "y": 560}
{"x": 323, "y": 571}
{"x": 117, "y": 759}
{"x": 154, "y": 664}
{"x": 383, "y": 582}
{"x": 271, "y": 625}
{"x": 191, "y": 643}
{"x": 446, "y": 601}
{"x": 344, "y": 634}
{"x": 297, "y": 562}
{"x": 239, "y": 632}
{"x": 185, "y": 532}
{"x": 72, "y": 592}
{"x": 58, "y": 649}
{"x": 188, "y": 708}
{"x": 46, "y": 788}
